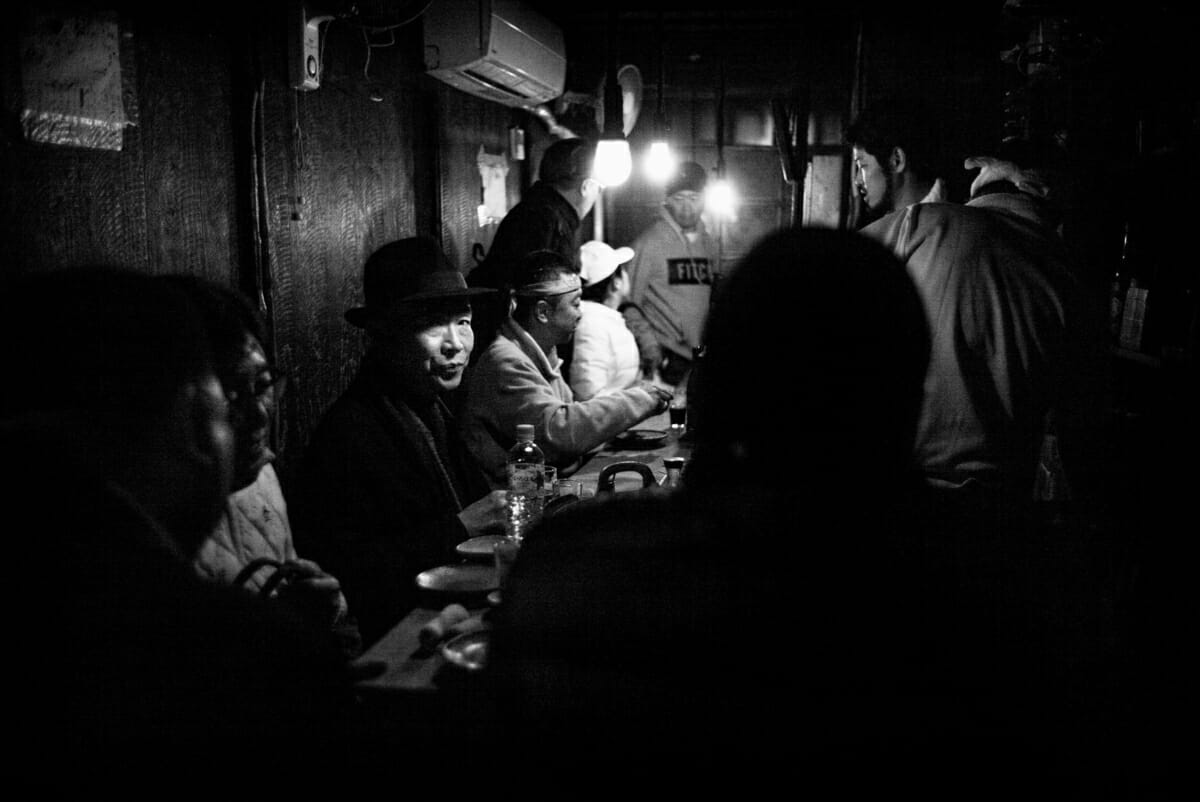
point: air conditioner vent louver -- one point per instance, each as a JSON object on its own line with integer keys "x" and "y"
{"x": 495, "y": 49}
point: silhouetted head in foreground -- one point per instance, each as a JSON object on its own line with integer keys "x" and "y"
{"x": 116, "y": 381}
{"x": 816, "y": 356}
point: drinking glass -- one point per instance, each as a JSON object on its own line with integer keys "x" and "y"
{"x": 570, "y": 487}
{"x": 678, "y": 413}
{"x": 505, "y": 553}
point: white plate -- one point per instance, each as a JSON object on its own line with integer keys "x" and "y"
{"x": 469, "y": 650}
{"x": 459, "y": 579}
{"x": 478, "y": 548}
{"x": 640, "y": 438}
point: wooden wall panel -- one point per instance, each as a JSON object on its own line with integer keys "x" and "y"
{"x": 349, "y": 159}
{"x": 187, "y": 144}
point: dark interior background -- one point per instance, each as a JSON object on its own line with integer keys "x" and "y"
{"x": 229, "y": 173}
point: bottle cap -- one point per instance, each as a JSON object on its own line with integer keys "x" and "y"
{"x": 525, "y": 432}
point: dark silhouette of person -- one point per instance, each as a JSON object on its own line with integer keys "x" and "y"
{"x": 134, "y": 672}
{"x": 779, "y": 607}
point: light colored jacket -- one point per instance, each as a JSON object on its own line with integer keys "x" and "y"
{"x": 515, "y": 382}
{"x": 255, "y": 524}
{"x": 671, "y": 281}
{"x": 992, "y": 276}
{"x": 606, "y": 354}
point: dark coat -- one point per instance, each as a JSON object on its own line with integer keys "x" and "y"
{"x": 655, "y": 634}
{"x": 543, "y": 220}
{"x": 376, "y": 505}
{"x": 131, "y": 671}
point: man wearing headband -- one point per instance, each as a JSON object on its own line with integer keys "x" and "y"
{"x": 518, "y": 378}
{"x": 673, "y": 272}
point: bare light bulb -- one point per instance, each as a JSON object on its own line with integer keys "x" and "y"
{"x": 660, "y": 163}
{"x": 721, "y": 199}
{"x": 613, "y": 163}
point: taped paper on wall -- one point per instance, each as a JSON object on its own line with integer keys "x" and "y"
{"x": 71, "y": 80}
{"x": 493, "y": 174}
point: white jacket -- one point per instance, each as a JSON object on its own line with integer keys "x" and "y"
{"x": 606, "y": 355}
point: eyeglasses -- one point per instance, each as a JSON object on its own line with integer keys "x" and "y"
{"x": 267, "y": 389}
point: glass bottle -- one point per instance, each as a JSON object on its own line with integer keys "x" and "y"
{"x": 1135, "y": 310}
{"x": 526, "y": 480}
{"x": 1117, "y": 290}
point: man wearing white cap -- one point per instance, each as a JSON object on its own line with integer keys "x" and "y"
{"x": 606, "y": 353}
{"x": 518, "y": 378}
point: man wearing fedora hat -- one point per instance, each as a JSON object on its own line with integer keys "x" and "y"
{"x": 673, "y": 272}
{"x": 518, "y": 379}
{"x": 387, "y": 487}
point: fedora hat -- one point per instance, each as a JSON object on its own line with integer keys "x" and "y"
{"x": 408, "y": 271}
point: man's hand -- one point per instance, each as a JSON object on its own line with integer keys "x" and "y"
{"x": 486, "y": 515}
{"x": 992, "y": 169}
{"x": 662, "y": 394}
{"x": 317, "y": 594}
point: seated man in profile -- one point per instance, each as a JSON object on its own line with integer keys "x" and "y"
{"x": 118, "y": 456}
{"x": 518, "y": 378}
{"x": 387, "y": 489}
{"x": 251, "y": 545}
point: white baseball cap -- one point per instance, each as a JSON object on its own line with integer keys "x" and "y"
{"x": 598, "y": 260}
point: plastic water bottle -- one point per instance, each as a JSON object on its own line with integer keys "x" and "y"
{"x": 526, "y": 480}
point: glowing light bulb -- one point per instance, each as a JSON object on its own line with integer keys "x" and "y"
{"x": 613, "y": 163}
{"x": 660, "y": 163}
{"x": 721, "y": 199}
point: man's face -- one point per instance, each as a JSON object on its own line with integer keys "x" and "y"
{"x": 590, "y": 193}
{"x": 563, "y": 314}
{"x": 201, "y": 475}
{"x": 250, "y": 386}
{"x": 685, "y": 208}
{"x": 428, "y": 347}
{"x": 873, "y": 181}
{"x": 621, "y": 285}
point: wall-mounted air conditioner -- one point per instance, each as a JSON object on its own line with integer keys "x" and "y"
{"x": 497, "y": 49}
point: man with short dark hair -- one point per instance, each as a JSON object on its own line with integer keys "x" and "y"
{"x": 252, "y": 546}
{"x": 547, "y": 218}
{"x": 896, "y": 156}
{"x": 387, "y": 487}
{"x": 993, "y": 275}
{"x": 518, "y": 378}
{"x": 673, "y": 271}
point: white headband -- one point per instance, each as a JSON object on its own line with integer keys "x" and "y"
{"x": 565, "y": 282}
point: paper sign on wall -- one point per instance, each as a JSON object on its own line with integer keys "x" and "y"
{"x": 493, "y": 172}
{"x": 71, "y": 80}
